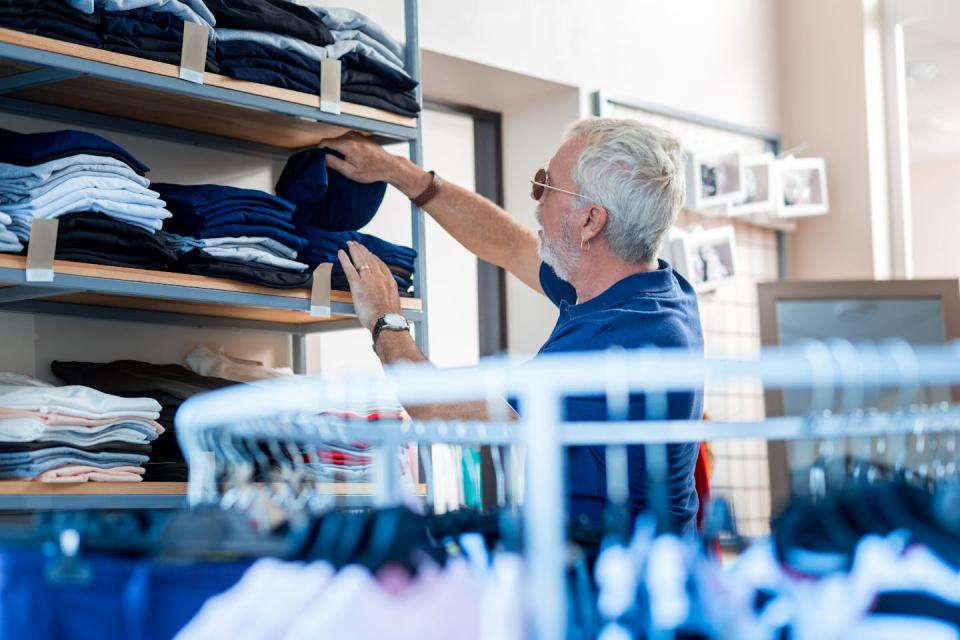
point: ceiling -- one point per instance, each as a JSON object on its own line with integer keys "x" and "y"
{"x": 932, "y": 52}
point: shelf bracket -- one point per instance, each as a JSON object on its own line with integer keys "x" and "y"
{"x": 24, "y": 292}
{"x": 35, "y": 78}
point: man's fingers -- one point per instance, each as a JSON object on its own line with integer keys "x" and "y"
{"x": 340, "y": 165}
{"x": 348, "y": 269}
{"x": 340, "y": 144}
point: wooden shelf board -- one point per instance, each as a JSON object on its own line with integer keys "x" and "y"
{"x": 120, "y": 99}
{"x": 29, "y": 488}
{"x": 187, "y": 280}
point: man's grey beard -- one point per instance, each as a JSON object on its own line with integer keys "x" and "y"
{"x": 563, "y": 259}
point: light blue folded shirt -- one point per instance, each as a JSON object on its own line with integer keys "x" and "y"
{"x": 64, "y": 200}
{"x": 253, "y": 255}
{"x": 183, "y": 244}
{"x": 54, "y": 190}
{"x": 360, "y": 36}
{"x": 340, "y": 19}
{"x": 36, "y": 174}
{"x": 5, "y": 219}
{"x": 187, "y": 10}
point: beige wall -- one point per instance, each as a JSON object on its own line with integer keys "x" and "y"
{"x": 936, "y": 218}
{"x": 832, "y": 104}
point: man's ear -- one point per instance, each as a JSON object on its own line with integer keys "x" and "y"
{"x": 594, "y": 223}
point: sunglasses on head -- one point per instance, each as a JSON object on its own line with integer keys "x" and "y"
{"x": 539, "y": 185}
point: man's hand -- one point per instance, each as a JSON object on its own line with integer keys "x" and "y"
{"x": 366, "y": 161}
{"x": 373, "y": 287}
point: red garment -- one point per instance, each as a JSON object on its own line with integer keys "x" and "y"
{"x": 701, "y": 478}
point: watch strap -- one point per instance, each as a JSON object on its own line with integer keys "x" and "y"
{"x": 428, "y": 194}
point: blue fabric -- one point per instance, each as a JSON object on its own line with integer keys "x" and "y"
{"x": 31, "y": 607}
{"x": 657, "y": 308}
{"x": 323, "y": 246}
{"x": 161, "y": 599}
{"x": 249, "y": 217}
{"x": 200, "y": 196}
{"x": 188, "y": 10}
{"x": 27, "y": 149}
{"x": 327, "y": 199}
{"x": 342, "y": 19}
{"x": 291, "y": 240}
{"x": 19, "y": 179}
{"x": 128, "y": 599}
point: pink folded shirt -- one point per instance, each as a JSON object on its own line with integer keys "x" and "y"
{"x": 61, "y": 419}
{"x": 83, "y": 473}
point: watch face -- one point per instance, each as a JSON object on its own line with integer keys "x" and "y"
{"x": 395, "y": 321}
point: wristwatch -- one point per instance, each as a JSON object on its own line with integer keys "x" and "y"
{"x": 390, "y": 322}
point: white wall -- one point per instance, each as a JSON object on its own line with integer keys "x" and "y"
{"x": 936, "y": 217}
{"x": 833, "y": 105}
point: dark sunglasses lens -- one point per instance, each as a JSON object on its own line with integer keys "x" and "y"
{"x": 539, "y": 180}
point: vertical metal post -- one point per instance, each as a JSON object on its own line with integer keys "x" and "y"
{"x": 544, "y": 529}
{"x": 298, "y": 345}
{"x": 418, "y": 228}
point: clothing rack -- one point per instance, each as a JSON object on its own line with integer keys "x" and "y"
{"x": 840, "y": 375}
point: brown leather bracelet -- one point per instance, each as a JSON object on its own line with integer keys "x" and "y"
{"x": 432, "y": 189}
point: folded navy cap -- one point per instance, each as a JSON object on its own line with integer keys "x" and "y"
{"x": 327, "y": 199}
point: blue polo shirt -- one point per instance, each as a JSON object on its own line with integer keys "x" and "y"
{"x": 656, "y": 308}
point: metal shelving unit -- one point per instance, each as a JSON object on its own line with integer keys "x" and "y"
{"x": 54, "y": 80}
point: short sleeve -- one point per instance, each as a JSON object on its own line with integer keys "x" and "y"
{"x": 556, "y": 289}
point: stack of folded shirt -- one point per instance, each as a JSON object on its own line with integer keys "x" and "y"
{"x": 281, "y": 44}
{"x": 324, "y": 245}
{"x": 52, "y": 19}
{"x": 73, "y": 433}
{"x": 150, "y": 29}
{"x": 151, "y": 32}
{"x": 169, "y": 385}
{"x": 98, "y": 239}
{"x": 48, "y": 175}
{"x": 241, "y": 234}
{"x": 184, "y": 10}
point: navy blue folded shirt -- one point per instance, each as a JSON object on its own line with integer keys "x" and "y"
{"x": 30, "y": 149}
{"x": 197, "y": 197}
{"x": 327, "y": 199}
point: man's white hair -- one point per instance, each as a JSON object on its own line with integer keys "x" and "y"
{"x": 636, "y": 172}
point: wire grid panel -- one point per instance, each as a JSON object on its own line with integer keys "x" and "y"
{"x": 731, "y": 326}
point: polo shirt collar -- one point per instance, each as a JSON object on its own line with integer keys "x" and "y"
{"x": 645, "y": 283}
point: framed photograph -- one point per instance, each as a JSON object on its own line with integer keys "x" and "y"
{"x": 706, "y": 258}
{"x": 713, "y": 180}
{"x": 758, "y": 186}
{"x": 801, "y": 187}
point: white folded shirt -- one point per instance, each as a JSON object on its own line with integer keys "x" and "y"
{"x": 76, "y": 400}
